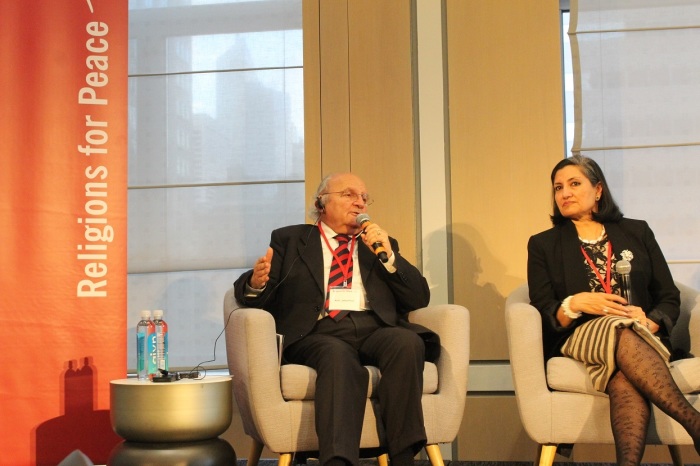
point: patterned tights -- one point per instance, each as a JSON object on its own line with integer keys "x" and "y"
{"x": 643, "y": 377}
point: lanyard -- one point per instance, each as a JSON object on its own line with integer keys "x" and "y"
{"x": 606, "y": 283}
{"x": 345, "y": 269}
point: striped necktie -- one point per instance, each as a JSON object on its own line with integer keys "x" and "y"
{"x": 336, "y": 276}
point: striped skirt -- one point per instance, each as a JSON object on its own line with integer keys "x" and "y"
{"x": 594, "y": 343}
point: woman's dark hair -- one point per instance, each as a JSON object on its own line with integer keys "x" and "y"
{"x": 608, "y": 211}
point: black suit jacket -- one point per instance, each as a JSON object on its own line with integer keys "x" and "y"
{"x": 295, "y": 294}
{"x": 556, "y": 269}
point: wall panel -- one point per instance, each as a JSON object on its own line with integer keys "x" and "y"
{"x": 365, "y": 96}
{"x": 381, "y": 114}
{"x": 334, "y": 91}
{"x": 506, "y": 133}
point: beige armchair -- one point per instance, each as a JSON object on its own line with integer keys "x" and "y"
{"x": 277, "y": 404}
{"x": 558, "y": 404}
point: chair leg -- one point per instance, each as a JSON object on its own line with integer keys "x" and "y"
{"x": 547, "y": 454}
{"x": 285, "y": 459}
{"x": 434, "y": 454}
{"x": 255, "y": 452}
{"x": 383, "y": 460}
{"x": 676, "y": 456}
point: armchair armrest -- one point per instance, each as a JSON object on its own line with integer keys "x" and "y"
{"x": 252, "y": 356}
{"x": 690, "y": 304}
{"x": 524, "y": 328}
{"x": 451, "y": 323}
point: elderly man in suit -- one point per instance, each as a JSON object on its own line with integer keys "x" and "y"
{"x": 339, "y": 307}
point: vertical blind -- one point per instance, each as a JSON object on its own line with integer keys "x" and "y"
{"x": 216, "y": 156}
{"x": 637, "y": 113}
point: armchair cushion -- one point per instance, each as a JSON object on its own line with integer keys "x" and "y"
{"x": 568, "y": 375}
{"x": 299, "y": 382}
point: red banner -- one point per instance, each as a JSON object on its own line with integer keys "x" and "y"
{"x": 63, "y": 178}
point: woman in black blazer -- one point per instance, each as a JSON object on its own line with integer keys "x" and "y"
{"x": 624, "y": 345}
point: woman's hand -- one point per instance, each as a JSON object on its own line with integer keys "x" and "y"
{"x": 601, "y": 304}
{"x": 604, "y": 304}
{"x": 637, "y": 313}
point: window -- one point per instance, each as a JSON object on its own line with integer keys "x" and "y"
{"x": 638, "y": 114}
{"x": 216, "y": 156}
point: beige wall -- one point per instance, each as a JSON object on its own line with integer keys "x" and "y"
{"x": 358, "y": 88}
{"x": 506, "y": 133}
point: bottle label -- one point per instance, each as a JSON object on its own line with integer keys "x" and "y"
{"x": 141, "y": 358}
{"x": 162, "y": 348}
{"x": 152, "y": 354}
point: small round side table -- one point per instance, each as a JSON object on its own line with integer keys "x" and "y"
{"x": 185, "y": 410}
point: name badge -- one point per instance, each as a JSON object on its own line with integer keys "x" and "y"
{"x": 344, "y": 299}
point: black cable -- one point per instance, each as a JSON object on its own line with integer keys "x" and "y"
{"x": 196, "y": 369}
{"x": 196, "y": 372}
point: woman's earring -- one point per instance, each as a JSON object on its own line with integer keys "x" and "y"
{"x": 597, "y": 198}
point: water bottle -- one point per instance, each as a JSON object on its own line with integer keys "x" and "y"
{"x": 161, "y": 341}
{"x": 145, "y": 329}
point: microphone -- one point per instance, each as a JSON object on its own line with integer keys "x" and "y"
{"x": 363, "y": 221}
{"x": 623, "y": 269}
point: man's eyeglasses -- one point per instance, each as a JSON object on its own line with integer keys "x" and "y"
{"x": 352, "y": 197}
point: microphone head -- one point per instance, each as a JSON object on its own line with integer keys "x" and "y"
{"x": 623, "y": 267}
{"x": 362, "y": 218}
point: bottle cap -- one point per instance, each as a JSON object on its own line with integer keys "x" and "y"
{"x": 145, "y": 315}
{"x": 158, "y": 314}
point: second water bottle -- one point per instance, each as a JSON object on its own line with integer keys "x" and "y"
{"x": 145, "y": 335}
{"x": 161, "y": 334}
